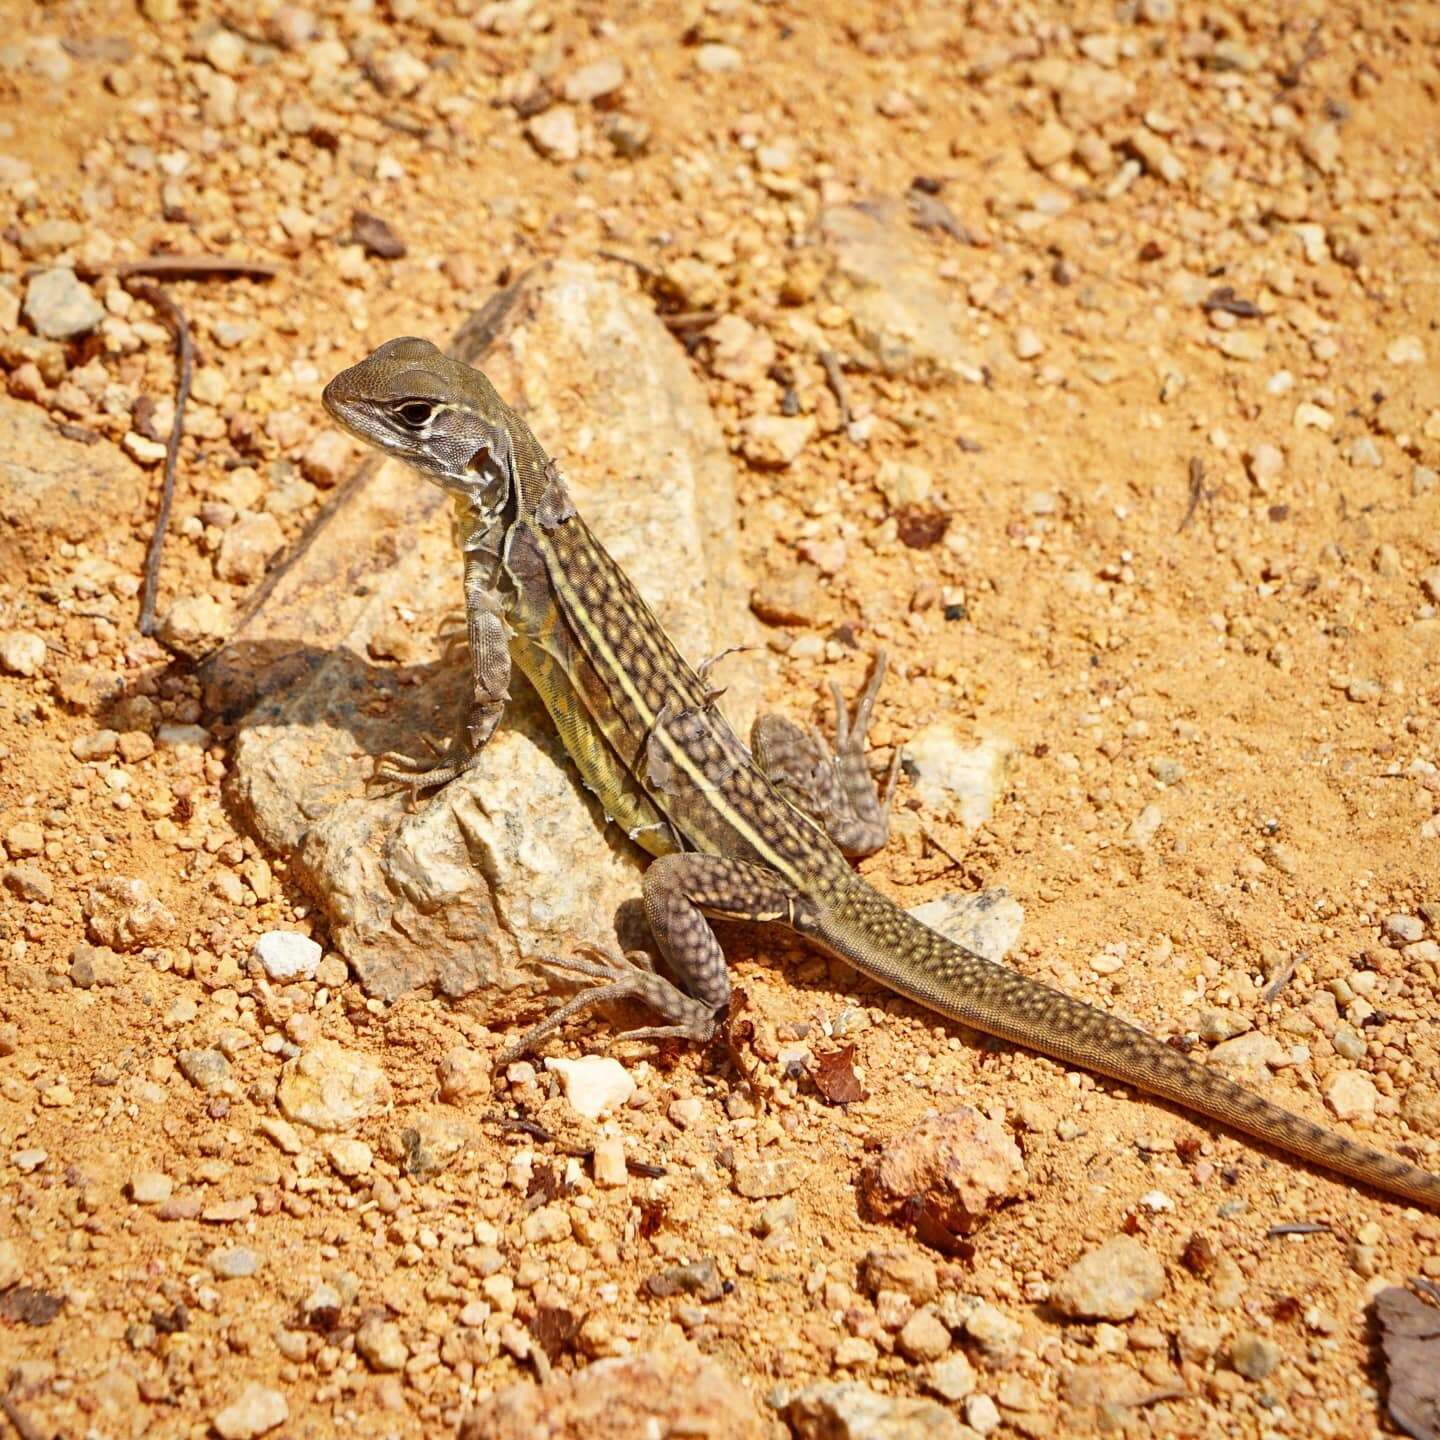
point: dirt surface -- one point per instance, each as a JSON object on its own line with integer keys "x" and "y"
{"x": 1176, "y": 544}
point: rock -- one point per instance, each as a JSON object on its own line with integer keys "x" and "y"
{"x": 907, "y": 319}
{"x": 847, "y": 1410}
{"x": 713, "y": 58}
{"x": 608, "y": 1163}
{"x": 349, "y": 1157}
{"x": 740, "y": 351}
{"x": 903, "y": 485}
{"x": 22, "y": 652}
{"x": 1252, "y": 1054}
{"x": 150, "y": 1187}
{"x": 235, "y": 1262}
{"x": 595, "y": 81}
{"x": 923, "y": 1337}
{"x": 328, "y": 1087}
{"x": 379, "y": 1344}
{"x": 59, "y": 307}
{"x": 1403, "y": 929}
{"x": 1253, "y": 1356}
{"x": 206, "y": 1070}
{"x": 595, "y": 1085}
{"x": 987, "y": 922}
{"x": 1351, "y": 1095}
{"x": 700, "y": 1278}
{"x": 23, "y": 838}
{"x": 428, "y": 1141}
{"x": 952, "y": 1378}
{"x": 555, "y": 133}
{"x": 906, "y": 1271}
{"x": 285, "y": 955}
{"x": 28, "y": 882}
{"x": 327, "y": 458}
{"x": 1051, "y": 143}
{"x": 194, "y": 625}
{"x": 674, "y": 1392}
{"x": 248, "y": 547}
{"x": 767, "y": 1179}
{"x": 464, "y": 1074}
{"x": 451, "y": 897}
{"x": 120, "y": 912}
{"x": 92, "y": 965}
{"x": 1406, "y": 350}
{"x": 771, "y": 442}
{"x": 1420, "y": 1110}
{"x": 1266, "y": 464}
{"x": 982, "y": 1414}
{"x": 946, "y": 1176}
{"x": 253, "y": 1412}
{"x": 12, "y": 1266}
{"x": 1109, "y": 1283}
{"x": 955, "y": 779}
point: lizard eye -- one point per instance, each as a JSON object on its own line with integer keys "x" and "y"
{"x": 415, "y": 413}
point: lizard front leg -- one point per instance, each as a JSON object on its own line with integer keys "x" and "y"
{"x": 680, "y": 891}
{"x": 489, "y": 650}
{"x": 833, "y": 789}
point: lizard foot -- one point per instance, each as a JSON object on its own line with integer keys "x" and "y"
{"x": 406, "y": 773}
{"x": 627, "y": 978}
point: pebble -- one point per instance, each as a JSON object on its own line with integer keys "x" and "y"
{"x": 1028, "y": 343}
{"x": 327, "y": 458}
{"x": 235, "y": 1262}
{"x": 594, "y": 81}
{"x": 195, "y": 625}
{"x": 254, "y": 1411}
{"x": 594, "y": 1085}
{"x": 1309, "y": 416}
{"x": 1406, "y": 350}
{"x": 59, "y": 307}
{"x": 207, "y": 1070}
{"x": 349, "y": 1157}
{"x": 1351, "y": 1095}
{"x": 923, "y": 1336}
{"x": 1254, "y": 1356}
{"x": 740, "y": 351}
{"x": 150, "y": 1187}
{"x": 1363, "y": 451}
{"x": 954, "y": 777}
{"x": 247, "y": 548}
{"x": 772, "y": 442}
{"x": 902, "y": 484}
{"x": 982, "y": 1414}
{"x": 464, "y": 1073}
{"x": 609, "y": 1164}
{"x": 900, "y": 1269}
{"x": 1404, "y": 929}
{"x": 952, "y": 1378}
{"x": 555, "y": 134}
{"x": 22, "y": 652}
{"x": 1112, "y": 1282}
{"x": 715, "y": 59}
{"x": 286, "y": 955}
{"x": 12, "y": 1266}
{"x": 1051, "y": 143}
{"x": 329, "y": 1087}
{"x": 848, "y": 1410}
{"x": 767, "y": 1179}
{"x": 1265, "y": 464}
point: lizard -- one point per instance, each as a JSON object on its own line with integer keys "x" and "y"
{"x": 765, "y": 833}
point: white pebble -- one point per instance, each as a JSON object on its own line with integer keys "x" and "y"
{"x": 594, "y": 1085}
{"x": 286, "y": 955}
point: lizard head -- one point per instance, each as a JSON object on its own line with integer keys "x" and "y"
{"x": 440, "y": 417}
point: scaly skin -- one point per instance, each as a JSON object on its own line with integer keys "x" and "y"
{"x": 734, "y": 839}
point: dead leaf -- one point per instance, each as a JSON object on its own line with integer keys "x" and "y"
{"x": 835, "y": 1078}
{"x": 554, "y": 1328}
{"x": 375, "y": 236}
{"x": 1410, "y": 1338}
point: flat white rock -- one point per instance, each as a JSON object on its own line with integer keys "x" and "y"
{"x": 286, "y": 955}
{"x": 594, "y": 1085}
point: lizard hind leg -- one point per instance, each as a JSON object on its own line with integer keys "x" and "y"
{"x": 834, "y": 788}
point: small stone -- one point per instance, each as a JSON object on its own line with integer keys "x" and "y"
{"x": 254, "y": 1411}
{"x": 1241, "y": 344}
{"x": 923, "y": 1336}
{"x": 771, "y": 442}
{"x": 150, "y": 1187}
{"x": 27, "y": 882}
{"x": 1109, "y": 1283}
{"x": 595, "y": 1085}
{"x": 954, "y": 776}
{"x": 982, "y": 1414}
{"x": 847, "y": 1410}
{"x": 902, "y": 484}
{"x": 555, "y": 134}
{"x": 225, "y": 52}
{"x": 594, "y": 81}
{"x": 349, "y": 1157}
{"x": 194, "y": 625}
{"x": 700, "y": 1278}
{"x": 120, "y": 912}
{"x": 23, "y": 838}
{"x": 326, "y": 458}
{"x": 1157, "y": 157}
{"x": 1051, "y": 143}
{"x": 12, "y": 1266}
{"x": 767, "y": 1179}
{"x": 716, "y": 59}
{"x": 740, "y": 351}
{"x": 953, "y": 1169}
{"x": 1309, "y": 416}
{"x": 1363, "y": 453}
{"x": 59, "y": 307}
{"x": 285, "y": 955}
{"x": 629, "y": 136}
{"x": 206, "y": 1070}
{"x": 1406, "y": 350}
{"x": 1028, "y": 343}
{"x": 903, "y": 1270}
{"x": 1403, "y": 929}
{"x": 284, "y": 1136}
{"x": 235, "y": 1262}
{"x": 328, "y": 1087}
{"x": 1320, "y": 145}
{"x": 952, "y": 1378}
{"x": 1351, "y": 1095}
{"x": 608, "y": 1163}
{"x": 22, "y": 652}
{"x": 98, "y": 745}
{"x": 248, "y": 547}
{"x": 464, "y": 1074}
{"x": 1265, "y": 465}
{"x": 1253, "y": 1356}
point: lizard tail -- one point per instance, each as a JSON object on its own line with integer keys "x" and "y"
{"x": 883, "y": 941}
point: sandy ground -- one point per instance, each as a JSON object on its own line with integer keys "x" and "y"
{"x": 1190, "y": 579}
